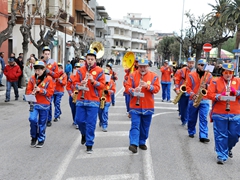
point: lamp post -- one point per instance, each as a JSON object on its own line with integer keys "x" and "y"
{"x": 180, "y": 53}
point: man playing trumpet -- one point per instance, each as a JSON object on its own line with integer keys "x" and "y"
{"x": 196, "y": 81}
{"x": 88, "y": 101}
{"x": 225, "y": 113}
{"x": 141, "y": 108}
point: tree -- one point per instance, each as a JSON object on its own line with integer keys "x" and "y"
{"x": 164, "y": 47}
{"x": 7, "y": 33}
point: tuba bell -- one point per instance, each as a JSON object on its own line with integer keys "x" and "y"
{"x": 128, "y": 61}
{"x": 98, "y": 47}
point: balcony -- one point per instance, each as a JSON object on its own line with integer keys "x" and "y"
{"x": 89, "y": 32}
{"x": 84, "y": 8}
{"x": 100, "y": 24}
{"x": 80, "y": 28}
{"x": 91, "y": 23}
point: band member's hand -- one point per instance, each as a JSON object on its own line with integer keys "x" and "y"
{"x": 194, "y": 97}
{"x": 137, "y": 89}
{"x": 233, "y": 91}
{"x": 143, "y": 84}
{"x": 203, "y": 86}
{"x": 84, "y": 82}
{"x": 72, "y": 95}
{"x": 177, "y": 91}
{"x": 47, "y": 71}
{"x": 90, "y": 77}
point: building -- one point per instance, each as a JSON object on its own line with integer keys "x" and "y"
{"x": 3, "y": 25}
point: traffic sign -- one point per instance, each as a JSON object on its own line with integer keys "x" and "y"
{"x": 236, "y": 50}
{"x": 207, "y": 47}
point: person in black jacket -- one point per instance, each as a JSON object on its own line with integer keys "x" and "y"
{"x": 19, "y": 62}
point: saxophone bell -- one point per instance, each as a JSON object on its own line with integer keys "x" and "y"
{"x": 182, "y": 90}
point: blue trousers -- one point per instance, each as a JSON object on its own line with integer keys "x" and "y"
{"x": 226, "y": 128}
{"x": 183, "y": 108}
{"x": 57, "y": 104}
{"x": 1, "y": 76}
{"x": 127, "y": 101}
{"x": 86, "y": 119}
{"x": 73, "y": 108}
{"x": 139, "y": 131}
{"x": 38, "y": 119}
{"x": 113, "y": 98}
{"x": 8, "y": 89}
{"x": 202, "y": 110}
{"x": 103, "y": 115}
{"x": 166, "y": 91}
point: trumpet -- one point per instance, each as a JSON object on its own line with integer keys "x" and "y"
{"x": 183, "y": 89}
{"x": 84, "y": 86}
{"x": 33, "y": 92}
{"x": 228, "y": 93}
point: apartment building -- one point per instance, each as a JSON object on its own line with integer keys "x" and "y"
{"x": 3, "y": 25}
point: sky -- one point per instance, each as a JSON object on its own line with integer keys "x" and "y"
{"x": 166, "y": 15}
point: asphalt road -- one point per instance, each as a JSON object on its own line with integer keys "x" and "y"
{"x": 171, "y": 153}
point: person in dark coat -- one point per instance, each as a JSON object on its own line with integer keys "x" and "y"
{"x": 19, "y": 62}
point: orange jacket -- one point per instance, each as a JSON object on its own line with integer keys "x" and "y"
{"x": 146, "y": 105}
{"x": 216, "y": 88}
{"x": 71, "y": 85}
{"x": 109, "y": 86}
{"x": 94, "y": 88}
{"x": 53, "y": 69}
{"x": 125, "y": 82}
{"x": 194, "y": 81}
{"x": 46, "y": 89}
{"x": 181, "y": 77}
{"x": 113, "y": 75}
{"x": 61, "y": 82}
{"x": 166, "y": 74}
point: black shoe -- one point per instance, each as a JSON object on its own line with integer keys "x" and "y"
{"x": 89, "y": 149}
{"x": 133, "y": 148}
{"x": 49, "y": 124}
{"x": 204, "y": 140}
{"x": 83, "y": 140}
{"x": 33, "y": 142}
{"x": 143, "y": 147}
{"x": 40, "y": 144}
{"x": 1, "y": 85}
{"x": 113, "y": 104}
{"x": 7, "y": 100}
{"x": 16, "y": 99}
{"x": 56, "y": 119}
{"x": 191, "y": 135}
{"x": 220, "y": 161}
{"x": 230, "y": 154}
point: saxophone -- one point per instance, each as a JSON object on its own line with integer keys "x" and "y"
{"x": 228, "y": 94}
{"x": 182, "y": 90}
{"x": 102, "y": 100}
{"x": 75, "y": 94}
{"x": 201, "y": 92}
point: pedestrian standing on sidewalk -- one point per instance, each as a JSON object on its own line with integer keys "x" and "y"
{"x": 93, "y": 77}
{"x": 28, "y": 69}
{"x": 68, "y": 69}
{"x": 2, "y": 63}
{"x": 42, "y": 86}
{"x": 141, "y": 108}
{"x": 12, "y": 71}
{"x": 19, "y": 62}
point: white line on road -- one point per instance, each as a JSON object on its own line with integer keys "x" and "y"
{"x": 110, "y": 134}
{"x": 119, "y": 122}
{"x": 105, "y": 152}
{"x": 107, "y": 177}
{"x": 166, "y": 108}
{"x": 119, "y": 91}
{"x": 64, "y": 165}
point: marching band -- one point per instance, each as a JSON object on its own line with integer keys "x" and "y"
{"x": 91, "y": 92}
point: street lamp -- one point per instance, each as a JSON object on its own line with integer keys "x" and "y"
{"x": 180, "y": 53}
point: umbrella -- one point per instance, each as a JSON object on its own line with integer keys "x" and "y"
{"x": 224, "y": 54}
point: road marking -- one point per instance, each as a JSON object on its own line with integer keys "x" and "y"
{"x": 110, "y": 134}
{"x": 105, "y": 152}
{"x": 65, "y": 163}
{"x": 119, "y": 122}
{"x": 107, "y": 177}
{"x": 117, "y": 114}
{"x": 119, "y": 91}
{"x": 166, "y": 108}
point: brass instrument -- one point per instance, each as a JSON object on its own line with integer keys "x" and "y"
{"x": 75, "y": 94}
{"x": 182, "y": 90}
{"x": 174, "y": 64}
{"x": 33, "y": 92}
{"x": 102, "y": 100}
{"x": 84, "y": 88}
{"x": 201, "y": 92}
{"x": 139, "y": 94}
{"x": 99, "y": 48}
{"x": 228, "y": 94}
{"x": 128, "y": 61}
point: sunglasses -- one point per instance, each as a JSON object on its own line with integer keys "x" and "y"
{"x": 201, "y": 64}
{"x": 228, "y": 72}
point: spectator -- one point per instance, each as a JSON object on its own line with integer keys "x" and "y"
{"x": 19, "y": 62}
{"x": 68, "y": 69}
{"x": 2, "y": 66}
{"x": 28, "y": 69}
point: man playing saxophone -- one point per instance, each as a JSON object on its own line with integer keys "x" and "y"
{"x": 196, "y": 81}
{"x": 225, "y": 117}
{"x": 93, "y": 77}
{"x": 146, "y": 82}
{"x": 105, "y": 101}
{"x": 180, "y": 85}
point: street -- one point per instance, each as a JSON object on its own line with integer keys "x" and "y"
{"x": 171, "y": 153}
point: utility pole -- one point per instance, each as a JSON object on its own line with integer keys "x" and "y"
{"x": 180, "y": 53}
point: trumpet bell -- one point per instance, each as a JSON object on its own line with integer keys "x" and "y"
{"x": 128, "y": 61}
{"x": 98, "y": 47}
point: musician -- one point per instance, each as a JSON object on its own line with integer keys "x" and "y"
{"x": 70, "y": 89}
{"x": 51, "y": 70}
{"x": 82, "y": 61}
{"x": 141, "y": 108}
{"x": 135, "y": 64}
{"x": 88, "y": 102}
{"x": 43, "y": 90}
{"x": 226, "y": 126}
{"x": 166, "y": 71}
{"x": 180, "y": 79}
{"x": 114, "y": 78}
{"x": 195, "y": 81}
{"x": 109, "y": 89}
{"x": 126, "y": 94}
{"x": 59, "y": 92}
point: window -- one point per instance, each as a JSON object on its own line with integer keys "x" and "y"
{"x": 132, "y": 21}
{"x": 140, "y": 22}
{"x": 121, "y": 43}
{"x": 116, "y": 43}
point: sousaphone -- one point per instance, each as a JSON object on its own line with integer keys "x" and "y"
{"x": 98, "y": 47}
{"x": 128, "y": 61}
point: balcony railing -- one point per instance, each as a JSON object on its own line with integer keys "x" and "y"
{"x": 81, "y": 5}
{"x": 80, "y": 28}
{"x": 100, "y": 24}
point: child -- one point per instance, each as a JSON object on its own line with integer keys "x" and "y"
{"x": 41, "y": 85}
{"x": 106, "y": 93}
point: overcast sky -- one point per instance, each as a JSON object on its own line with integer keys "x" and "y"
{"x": 166, "y": 15}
